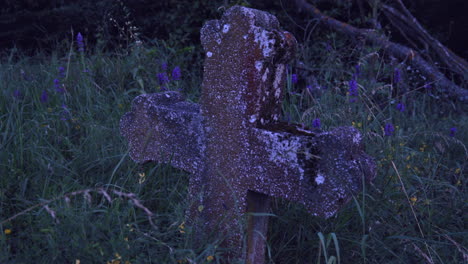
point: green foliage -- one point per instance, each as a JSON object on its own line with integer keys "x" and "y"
{"x": 65, "y": 167}
{"x": 413, "y": 211}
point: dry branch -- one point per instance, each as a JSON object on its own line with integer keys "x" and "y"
{"x": 86, "y": 195}
{"x": 397, "y": 50}
{"x": 406, "y": 23}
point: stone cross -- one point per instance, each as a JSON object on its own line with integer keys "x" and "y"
{"x": 238, "y": 152}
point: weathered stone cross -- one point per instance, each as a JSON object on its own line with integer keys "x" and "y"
{"x": 233, "y": 144}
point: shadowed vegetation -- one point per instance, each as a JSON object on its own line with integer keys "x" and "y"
{"x": 69, "y": 191}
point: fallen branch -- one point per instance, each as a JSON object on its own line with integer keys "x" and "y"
{"x": 397, "y": 50}
{"x": 405, "y": 20}
{"x": 87, "y": 197}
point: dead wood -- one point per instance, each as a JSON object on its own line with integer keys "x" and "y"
{"x": 408, "y": 26}
{"x": 402, "y": 52}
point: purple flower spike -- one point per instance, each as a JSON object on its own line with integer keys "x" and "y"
{"x": 58, "y": 86}
{"x": 316, "y": 123}
{"x": 80, "y": 42}
{"x": 294, "y": 78}
{"x": 164, "y": 66}
{"x": 396, "y": 75}
{"x": 400, "y": 107}
{"x": 357, "y": 73}
{"x": 353, "y": 90}
{"x": 453, "y": 130}
{"x": 61, "y": 72}
{"x": 176, "y": 74}
{"x": 56, "y": 83}
{"x": 389, "y": 129}
{"x": 44, "y": 97}
{"x": 162, "y": 78}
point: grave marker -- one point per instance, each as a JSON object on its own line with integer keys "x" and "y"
{"x": 233, "y": 144}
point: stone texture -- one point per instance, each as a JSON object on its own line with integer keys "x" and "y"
{"x": 238, "y": 152}
{"x": 163, "y": 127}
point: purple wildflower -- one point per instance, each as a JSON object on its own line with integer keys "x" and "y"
{"x": 61, "y": 72}
{"x": 162, "y": 78}
{"x": 164, "y": 66}
{"x": 427, "y": 86}
{"x": 396, "y": 75}
{"x": 44, "y": 96}
{"x": 316, "y": 123}
{"x": 353, "y": 90}
{"x": 400, "y": 107}
{"x": 80, "y": 42}
{"x": 357, "y": 73}
{"x": 389, "y": 129}
{"x": 17, "y": 94}
{"x": 58, "y": 86}
{"x": 57, "y": 81}
{"x": 294, "y": 78}
{"x": 453, "y": 130}
{"x": 176, "y": 74}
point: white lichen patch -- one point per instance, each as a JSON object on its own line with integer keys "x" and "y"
{"x": 209, "y": 54}
{"x": 253, "y": 118}
{"x": 258, "y": 65}
{"x": 320, "y": 179}
{"x": 226, "y": 28}
{"x": 248, "y": 12}
{"x": 267, "y": 44}
{"x": 357, "y": 138}
{"x": 277, "y": 81}
{"x": 282, "y": 149}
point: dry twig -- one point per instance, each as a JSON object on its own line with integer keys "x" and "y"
{"x": 87, "y": 197}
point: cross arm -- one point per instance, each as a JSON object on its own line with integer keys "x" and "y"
{"x": 320, "y": 170}
{"x": 163, "y": 127}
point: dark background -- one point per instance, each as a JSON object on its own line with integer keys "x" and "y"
{"x": 45, "y": 25}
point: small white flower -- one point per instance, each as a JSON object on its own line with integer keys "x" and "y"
{"x": 319, "y": 179}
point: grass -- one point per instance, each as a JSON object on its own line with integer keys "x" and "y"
{"x": 70, "y": 194}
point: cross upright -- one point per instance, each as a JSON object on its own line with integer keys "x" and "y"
{"x": 238, "y": 152}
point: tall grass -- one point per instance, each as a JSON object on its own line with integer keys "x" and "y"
{"x": 70, "y": 194}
